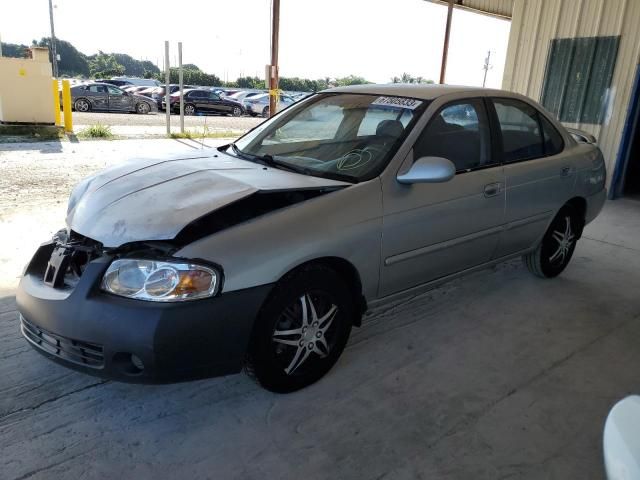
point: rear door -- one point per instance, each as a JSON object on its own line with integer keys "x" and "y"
{"x": 432, "y": 230}
{"x": 539, "y": 179}
{"x": 118, "y": 100}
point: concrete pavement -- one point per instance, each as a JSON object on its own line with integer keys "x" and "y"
{"x": 497, "y": 375}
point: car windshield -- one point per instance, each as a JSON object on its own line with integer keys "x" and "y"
{"x": 344, "y": 136}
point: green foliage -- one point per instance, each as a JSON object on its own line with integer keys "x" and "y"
{"x": 133, "y": 67}
{"x": 14, "y": 50}
{"x": 407, "y": 78}
{"x": 249, "y": 82}
{"x": 96, "y": 131}
{"x": 350, "y": 80}
{"x": 104, "y": 65}
{"x": 73, "y": 63}
{"x": 191, "y": 77}
{"x": 190, "y": 66}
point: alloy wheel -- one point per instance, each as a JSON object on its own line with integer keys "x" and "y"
{"x": 303, "y": 333}
{"x": 189, "y": 110}
{"x": 564, "y": 238}
{"x": 82, "y": 106}
{"x": 143, "y": 108}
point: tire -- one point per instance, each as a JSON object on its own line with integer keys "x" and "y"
{"x": 554, "y": 252}
{"x": 236, "y": 112}
{"x": 143, "y": 108}
{"x": 265, "y": 112}
{"x": 189, "y": 109}
{"x": 82, "y": 105}
{"x": 287, "y": 362}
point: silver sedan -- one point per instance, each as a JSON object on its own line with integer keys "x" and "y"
{"x": 264, "y": 253}
{"x": 106, "y": 97}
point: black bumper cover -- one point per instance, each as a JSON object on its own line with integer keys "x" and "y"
{"x": 175, "y": 341}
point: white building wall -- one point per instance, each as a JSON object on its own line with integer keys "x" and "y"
{"x": 536, "y": 22}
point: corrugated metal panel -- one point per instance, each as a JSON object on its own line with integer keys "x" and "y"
{"x": 536, "y": 22}
{"x": 499, "y": 8}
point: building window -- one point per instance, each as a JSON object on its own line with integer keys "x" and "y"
{"x": 578, "y": 77}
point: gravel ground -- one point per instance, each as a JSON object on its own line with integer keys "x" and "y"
{"x": 155, "y": 123}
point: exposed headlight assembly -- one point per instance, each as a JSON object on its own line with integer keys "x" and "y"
{"x": 160, "y": 281}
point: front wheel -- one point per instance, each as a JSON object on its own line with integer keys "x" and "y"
{"x": 143, "y": 108}
{"x": 555, "y": 250}
{"x": 265, "y": 112}
{"x": 236, "y": 112}
{"x": 301, "y": 330}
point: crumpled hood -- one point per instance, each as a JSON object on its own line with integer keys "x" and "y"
{"x": 153, "y": 199}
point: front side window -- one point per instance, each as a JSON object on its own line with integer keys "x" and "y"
{"x": 114, "y": 91}
{"x": 460, "y": 133}
{"x": 97, "y": 89}
{"x": 214, "y": 96}
{"x": 325, "y": 136}
{"x": 520, "y": 128}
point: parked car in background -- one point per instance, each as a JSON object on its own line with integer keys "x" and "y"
{"x": 117, "y": 83}
{"x": 159, "y": 93}
{"x": 149, "y": 82}
{"x": 134, "y": 89}
{"x": 265, "y": 252}
{"x": 107, "y": 97}
{"x": 259, "y": 104}
{"x": 242, "y": 95}
{"x": 204, "y": 101}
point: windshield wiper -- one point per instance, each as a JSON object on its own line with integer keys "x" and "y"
{"x": 267, "y": 160}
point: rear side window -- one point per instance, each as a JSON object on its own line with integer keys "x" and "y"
{"x": 520, "y": 128}
{"x": 553, "y": 143}
{"x": 460, "y": 133}
{"x": 97, "y": 88}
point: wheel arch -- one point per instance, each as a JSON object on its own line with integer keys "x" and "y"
{"x": 579, "y": 205}
{"x": 346, "y": 270}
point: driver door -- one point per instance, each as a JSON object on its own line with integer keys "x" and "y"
{"x": 118, "y": 99}
{"x": 431, "y": 230}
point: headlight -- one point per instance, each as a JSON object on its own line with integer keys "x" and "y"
{"x": 160, "y": 281}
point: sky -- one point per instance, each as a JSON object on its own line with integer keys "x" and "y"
{"x": 376, "y": 39}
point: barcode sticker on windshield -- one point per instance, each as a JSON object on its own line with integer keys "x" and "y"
{"x": 401, "y": 102}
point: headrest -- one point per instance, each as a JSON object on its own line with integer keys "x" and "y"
{"x": 389, "y": 128}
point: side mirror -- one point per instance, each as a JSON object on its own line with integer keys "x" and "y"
{"x": 428, "y": 170}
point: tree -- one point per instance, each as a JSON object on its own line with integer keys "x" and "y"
{"x": 249, "y": 82}
{"x": 14, "y": 50}
{"x": 73, "y": 63}
{"x": 104, "y": 65}
{"x": 350, "y": 80}
{"x": 190, "y": 66}
{"x": 133, "y": 67}
{"x": 407, "y": 78}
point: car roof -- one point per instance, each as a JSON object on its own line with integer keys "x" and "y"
{"x": 421, "y": 91}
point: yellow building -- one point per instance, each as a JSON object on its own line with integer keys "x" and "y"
{"x": 25, "y": 89}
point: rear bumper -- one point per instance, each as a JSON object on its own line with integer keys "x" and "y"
{"x": 98, "y": 333}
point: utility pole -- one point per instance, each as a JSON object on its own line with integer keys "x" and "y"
{"x": 54, "y": 54}
{"x": 486, "y": 67}
{"x": 181, "y": 82}
{"x": 273, "y": 70}
{"x": 167, "y": 88}
{"x": 445, "y": 49}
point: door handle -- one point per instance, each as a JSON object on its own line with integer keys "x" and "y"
{"x": 492, "y": 189}
{"x": 565, "y": 172}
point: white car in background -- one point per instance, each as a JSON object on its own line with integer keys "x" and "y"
{"x": 259, "y": 104}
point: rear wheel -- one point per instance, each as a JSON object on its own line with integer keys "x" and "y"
{"x": 82, "y": 105}
{"x": 265, "y": 112}
{"x": 301, "y": 330}
{"x": 555, "y": 250}
{"x": 189, "y": 109}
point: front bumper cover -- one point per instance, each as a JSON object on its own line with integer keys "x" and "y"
{"x": 88, "y": 330}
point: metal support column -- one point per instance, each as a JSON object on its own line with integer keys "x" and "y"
{"x": 445, "y": 49}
